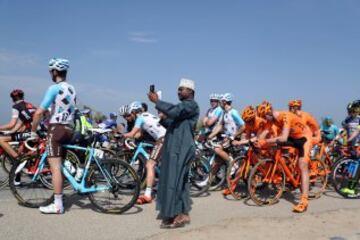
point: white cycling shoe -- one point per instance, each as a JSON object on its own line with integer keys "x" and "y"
{"x": 51, "y": 209}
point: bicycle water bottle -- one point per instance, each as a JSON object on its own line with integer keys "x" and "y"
{"x": 79, "y": 174}
{"x": 69, "y": 166}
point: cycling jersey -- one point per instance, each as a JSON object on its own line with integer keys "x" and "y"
{"x": 255, "y": 128}
{"x": 61, "y": 97}
{"x": 289, "y": 120}
{"x": 232, "y": 122}
{"x": 215, "y": 112}
{"x": 351, "y": 124}
{"x": 108, "y": 124}
{"x": 310, "y": 121}
{"x": 23, "y": 111}
{"x": 150, "y": 124}
{"x": 329, "y": 132}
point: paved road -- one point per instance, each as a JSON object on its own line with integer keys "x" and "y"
{"x": 213, "y": 217}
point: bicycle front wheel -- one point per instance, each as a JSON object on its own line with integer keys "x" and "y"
{"x": 28, "y": 191}
{"x": 121, "y": 183}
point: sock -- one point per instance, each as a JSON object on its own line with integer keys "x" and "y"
{"x": 58, "y": 201}
{"x": 148, "y": 191}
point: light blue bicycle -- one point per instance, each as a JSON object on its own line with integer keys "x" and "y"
{"x": 111, "y": 184}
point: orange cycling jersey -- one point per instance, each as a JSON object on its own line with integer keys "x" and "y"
{"x": 257, "y": 126}
{"x": 293, "y": 122}
{"x": 310, "y": 121}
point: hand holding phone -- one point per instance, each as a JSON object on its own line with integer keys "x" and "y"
{"x": 152, "y": 88}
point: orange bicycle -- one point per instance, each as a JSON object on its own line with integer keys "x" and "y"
{"x": 271, "y": 176}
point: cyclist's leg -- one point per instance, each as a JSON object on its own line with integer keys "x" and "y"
{"x": 222, "y": 153}
{"x": 304, "y": 159}
{"x": 4, "y": 143}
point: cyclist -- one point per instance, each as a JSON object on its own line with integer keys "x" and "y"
{"x": 214, "y": 114}
{"x": 109, "y": 123}
{"x": 62, "y": 98}
{"x": 148, "y": 123}
{"x": 352, "y": 127}
{"x": 308, "y": 119}
{"x": 231, "y": 125}
{"x": 19, "y": 126}
{"x": 294, "y": 131}
{"x": 328, "y": 129}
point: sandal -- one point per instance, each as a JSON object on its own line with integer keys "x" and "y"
{"x": 302, "y": 205}
{"x": 143, "y": 200}
{"x": 165, "y": 224}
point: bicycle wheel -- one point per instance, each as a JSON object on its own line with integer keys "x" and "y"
{"x": 266, "y": 184}
{"x": 124, "y": 186}
{"x": 236, "y": 176}
{"x": 342, "y": 177}
{"x": 217, "y": 175}
{"x": 30, "y": 192}
{"x": 199, "y": 176}
{"x": 318, "y": 178}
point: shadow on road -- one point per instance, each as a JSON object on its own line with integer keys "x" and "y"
{"x": 1, "y": 215}
{"x": 82, "y": 202}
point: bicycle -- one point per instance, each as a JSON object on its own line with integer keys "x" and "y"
{"x": 270, "y": 176}
{"x": 108, "y": 182}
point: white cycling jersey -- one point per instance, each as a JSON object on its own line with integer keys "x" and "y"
{"x": 150, "y": 124}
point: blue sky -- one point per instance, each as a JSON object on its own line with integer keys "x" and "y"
{"x": 274, "y": 50}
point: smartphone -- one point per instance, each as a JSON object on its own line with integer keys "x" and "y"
{"x": 152, "y": 88}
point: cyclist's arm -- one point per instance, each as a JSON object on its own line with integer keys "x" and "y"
{"x": 133, "y": 133}
{"x": 282, "y": 138}
{"x": 9, "y": 125}
{"x": 218, "y": 128}
{"x": 354, "y": 135}
{"x": 45, "y": 104}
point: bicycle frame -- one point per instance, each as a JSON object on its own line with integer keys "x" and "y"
{"x": 80, "y": 186}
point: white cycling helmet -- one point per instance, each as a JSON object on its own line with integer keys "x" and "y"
{"x": 227, "y": 97}
{"x": 59, "y": 64}
{"x": 123, "y": 110}
{"x": 214, "y": 96}
{"x": 135, "y": 106}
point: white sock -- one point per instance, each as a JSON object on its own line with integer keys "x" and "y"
{"x": 58, "y": 201}
{"x": 148, "y": 191}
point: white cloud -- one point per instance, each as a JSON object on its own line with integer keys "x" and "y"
{"x": 12, "y": 57}
{"x": 142, "y": 37}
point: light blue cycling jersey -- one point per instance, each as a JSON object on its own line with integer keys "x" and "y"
{"x": 62, "y": 99}
{"x": 215, "y": 112}
{"x": 232, "y": 122}
{"x": 329, "y": 132}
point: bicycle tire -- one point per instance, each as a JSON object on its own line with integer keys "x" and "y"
{"x": 121, "y": 173}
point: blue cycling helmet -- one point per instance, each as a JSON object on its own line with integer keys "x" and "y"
{"x": 59, "y": 64}
{"x": 113, "y": 115}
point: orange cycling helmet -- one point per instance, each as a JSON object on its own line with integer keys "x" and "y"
{"x": 248, "y": 114}
{"x": 264, "y": 108}
{"x": 295, "y": 103}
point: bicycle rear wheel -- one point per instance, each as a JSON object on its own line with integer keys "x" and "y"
{"x": 123, "y": 186}
{"x": 318, "y": 178}
{"x": 6, "y": 163}
{"x": 342, "y": 175}
{"x": 199, "y": 176}
{"x": 236, "y": 178}
{"x": 264, "y": 186}
{"x": 30, "y": 192}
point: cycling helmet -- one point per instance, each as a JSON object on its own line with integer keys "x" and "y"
{"x": 227, "y": 97}
{"x": 248, "y": 114}
{"x": 17, "y": 93}
{"x": 123, "y": 110}
{"x": 59, "y": 64}
{"x": 135, "y": 106}
{"x": 113, "y": 115}
{"x": 264, "y": 108}
{"x": 350, "y": 108}
{"x": 295, "y": 103}
{"x": 214, "y": 96}
{"x": 86, "y": 111}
